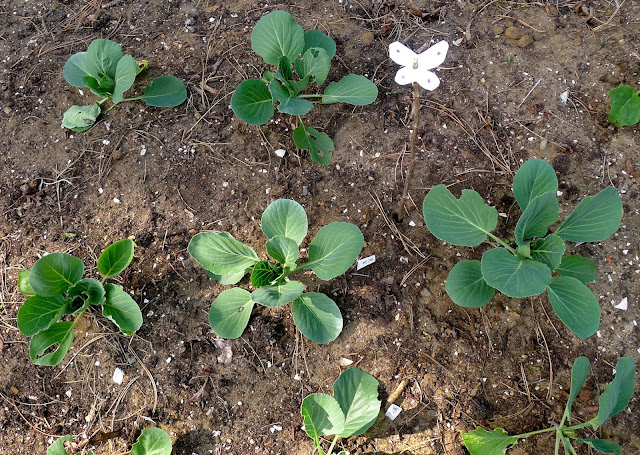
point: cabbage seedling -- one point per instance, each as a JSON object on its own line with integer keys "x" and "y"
{"x": 152, "y": 441}
{"x": 613, "y": 400}
{"x": 57, "y": 291}
{"x": 625, "y": 106}
{"x": 528, "y": 268}
{"x": 302, "y": 58}
{"x": 109, "y": 73}
{"x": 333, "y": 250}
{"x": 351, "y": 410}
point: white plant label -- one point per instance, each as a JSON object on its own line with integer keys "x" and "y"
{"x": 362, "y": 263}
{"x": 393, "y": 411}
{"x": 415, "y": 67}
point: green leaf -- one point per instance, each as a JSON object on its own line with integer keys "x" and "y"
{"x": 38, "y": 313}
{"x": 75, "y": 69}
{"x": 284, "y": 72}
{"x": 334, "y": 249}
{"x": 116, "y": 257}
{"x": 357, "y": 394}
{"x": 353, "y": 89}
{"x": 322, "y": 416}
{"x": 575, "y": 305}
{"x": 228, "y": 278}
{"x": 319, "y": 144}
{"x": 230, "y": 312}
{"x": 55, "y": 273}
{"x": 284, "y": 250}
{"x": 594, "y": 219}
{"x": 102, "y": 58}
{"x": 315, "y": 38}
{"x": 465, "y": 221}
{"x": 102, "y": 87}
{"x": 577, "y": 267}
{"x": 625, "y": 106}
{"x": 579, "y": 373}
{"x": 602, "y": 445}
{"x": 286, "y": 218}
{"x": 24, "y": 286}
{"x": 539, "y": 214}
{"x": 80, "y": 118}
{"x": 533, "y": 179}
{"x": 315, "y": 63}
{"x": 548, "y": 250}
{"x": 289, "y": 104}
{"x": 252, "y": 102}
{"x": 265, "y": 273}
{"x": 466, "y": 286}
{"x": 152, "y": 441}
{"x": 165, "y": 91}
{"x": 279, "y": 294}
{"x": 121, "y": 309}
{"x": 299, "y": 86}
{"x": 482, "y": 442}
{"x": 57, "y": 448}
{"x": 616, "y": 396}
{"x": 86, "y": 291}
{"x": 317, "y": 317}
{"x": 126, "y": 73}
{"x": 60, "y": 334}
{"x": 220, "y": 253}
{"x": 513, "y": 275}
{"x": 276, "y": 35}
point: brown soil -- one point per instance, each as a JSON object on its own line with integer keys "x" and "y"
{"x": 499, "y": 104}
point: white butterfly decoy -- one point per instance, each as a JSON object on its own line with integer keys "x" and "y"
{"x": 415, "y": 67}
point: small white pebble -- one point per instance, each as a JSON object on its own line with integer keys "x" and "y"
{"x": 68, "y": 393}
{"x": 116, "y": 200}
{"x": 169, "y": 359}
{"x": 280, "y": 152}
{"x": 118, "y": 376}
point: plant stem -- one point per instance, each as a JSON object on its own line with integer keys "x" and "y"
{"x": 333, "y": 443}
{"x": 588, "y": 423}
{"x": 99, "y": 103}
{"x": 526, "y": 435}
{"x": 502, "y": 242}
{"x": 311, "y": 95}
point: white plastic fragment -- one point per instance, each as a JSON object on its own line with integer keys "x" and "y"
{"x": 362, "y": 263}
{"x": 344, "y": 362}
{"x": 412, "y": 223}
{"x": 393, "y": 412}
{"x": 118, "y": 376}
{"x": 623, "y": 305}
{"x": 280, "y": 153}
{"x": 275, "y": 428}
{"x": 564, "y": 96}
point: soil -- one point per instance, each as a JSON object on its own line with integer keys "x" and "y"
{"x": 159, "y": 176}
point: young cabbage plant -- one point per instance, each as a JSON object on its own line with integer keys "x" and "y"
{"x": 625, "y": 106}
{"x": 226, "y": 260}
{"x": 59, "y": 296}
{"x": 536, "y": 263}
{"x": 351, "y": 410}
{"x": 152, "y": 441}
{"x": 109, "y": 73}
{"x": 302, "y": 58}
{"x": 614, "y": 400}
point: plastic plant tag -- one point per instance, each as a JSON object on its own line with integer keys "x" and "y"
{"x": 415, "y": 67}
{"x": 362, "y": 263}
{"x": 393, "y": 412}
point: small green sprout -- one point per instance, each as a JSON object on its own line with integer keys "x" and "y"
{"x": 152, "y": 441}
{"x": 625, "y": 106}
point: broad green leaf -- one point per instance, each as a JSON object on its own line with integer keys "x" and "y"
{"x": 317, "y": 317}
{"x": 533, "y": 179}
{"x": 80, "y": 118}
{"x": 279, "y": 294}
{"x": 228, "y": 278}
{"x": 319, "y": 144}
{"x": 616, "y": 396}
{"x": 57, "y": 448}
{"x": 38, "y": 313}
{"x": 299, "y": 86}
{"x": 322, "y": 416}
{"x": 539, "y": 214}
{"x": 579, "y": 373}
{"x": 315, "y": 38}
{"x": 55, "y": 273}
{"x": 289, "y": 104}
{"x": 357, "y": 394}
{"x": 482, "y": 442}
{"x": 465, "y": 221}
{"x": 116, "y": 257}
{"x": 102, "y": 58}
{"x": 265, "y": 273}
{"x": 284, "y": 250}
{"x": 103, "y": 87}
{"x": 59, "y": 335}
{"x": 334, "y": 249}
{"x": 220, "y": 253}
{"x": 126, "y": 73}
{"x": 575, "y": 305}
{"x": 24, "y": 286}
{"x": 466, "y": 286}
{"x": 315, "y": 63}
{"x": 152, "y": 441}
{"x": 230, "y": 312}
{"x": 252, "y": 102}
{"x": 602, "y": 445}
{"x": 577, "y": 267}
{"x": 512, "y": 275}
{"x": 286, "y": 218}
{"x": 277, "y": 35}
{"x": 86, "y": 291}
{"x": 548, "y": 250}
{"x": 121, "y": 309}
{"x": 284, "y": 72}
{"x": 75, "y": 69}
{"x": 625, "y": 106}
{"x": 594, "y": 219}
{"x": 352, "y": 89}
{"x": 165, "y": 91}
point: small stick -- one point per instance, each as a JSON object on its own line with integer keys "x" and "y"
{"x": 396, "y": 393}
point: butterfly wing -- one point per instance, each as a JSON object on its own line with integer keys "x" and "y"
{"x": 406, "y": 75}
{"x": 401, "y": 54}
{"x": 434, "y": 56}
{"x": 427, "y": 80}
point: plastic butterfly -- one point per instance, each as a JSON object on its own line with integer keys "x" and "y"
{"x": 415, "y": 67}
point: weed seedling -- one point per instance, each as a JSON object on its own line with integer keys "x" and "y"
{"x": 302, "y": 58}
{"x": 152, "y": 441}
{"x": 108, "y": 73}
{"x": 625, "y": 106}
{"x": 351, "y": 410}
{"x": 613, "y": 400}
{"x": 526, "y": 269}
{"x": 58, "y": 291}
{"x": 333, "y": 250}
